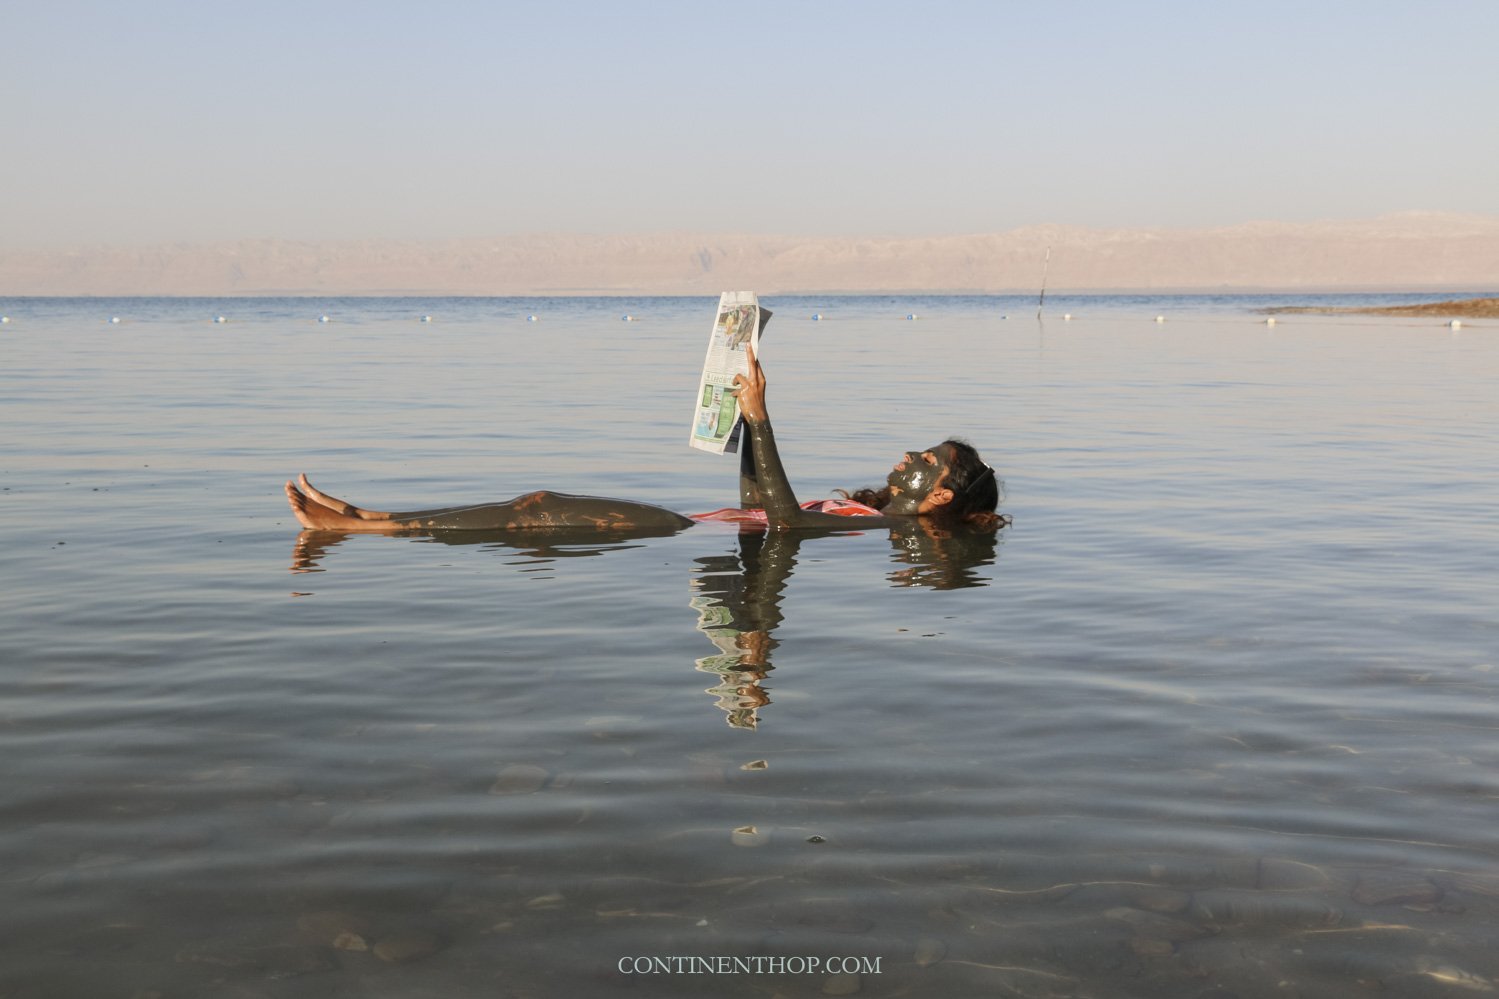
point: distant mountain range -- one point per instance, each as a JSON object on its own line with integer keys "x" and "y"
{"x": 1409, "y": 251}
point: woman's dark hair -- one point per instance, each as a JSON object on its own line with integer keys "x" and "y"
{"x": 975, "y": 487}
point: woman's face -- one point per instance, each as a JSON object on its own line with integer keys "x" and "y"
{"x": 914, "y": 477}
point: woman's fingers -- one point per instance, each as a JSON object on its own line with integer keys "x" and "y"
{"x": 755, "y": 371}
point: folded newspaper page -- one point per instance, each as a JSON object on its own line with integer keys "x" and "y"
{"x": 715, "y": 422}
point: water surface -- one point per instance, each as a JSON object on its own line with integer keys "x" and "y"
{"x": 1215, "y": 716}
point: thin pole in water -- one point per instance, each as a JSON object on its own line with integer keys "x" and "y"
{"x": 1044, "y": 268}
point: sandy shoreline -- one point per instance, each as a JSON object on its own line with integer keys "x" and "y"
{"x": 1467, "y": 308}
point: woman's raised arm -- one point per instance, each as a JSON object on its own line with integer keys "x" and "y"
{"x": 771, "y": 486}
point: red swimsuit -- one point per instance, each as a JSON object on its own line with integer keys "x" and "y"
{"x": 840, "y": 507}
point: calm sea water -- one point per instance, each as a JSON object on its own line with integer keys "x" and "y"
{"x": 1217, "y": 715}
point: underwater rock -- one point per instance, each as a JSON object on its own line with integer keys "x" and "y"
{"x": 1455, "y": 977}
{"x": 1245, "y": 908}
{"x": 519, "y": 778}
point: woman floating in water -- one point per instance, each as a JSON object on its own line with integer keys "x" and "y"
{"x": 948, "y": 483}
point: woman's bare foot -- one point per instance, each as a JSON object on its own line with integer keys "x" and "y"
{"x": 316, "y": 517}
{"x": 338, "y": 505}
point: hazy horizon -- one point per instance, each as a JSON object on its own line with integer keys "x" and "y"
{"x": 1410, "y": 250}
{"x": 169, "y": 122}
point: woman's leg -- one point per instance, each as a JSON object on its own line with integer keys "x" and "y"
{"x": 350, "y": 510}
{"x": 317, "y": 517}
{"x": 338, "y": 505}
{"x": 538, "y": 510}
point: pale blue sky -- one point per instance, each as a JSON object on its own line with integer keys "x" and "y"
{"x": 158, "y": 121}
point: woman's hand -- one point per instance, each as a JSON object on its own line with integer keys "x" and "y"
{"x": 750, "y": 390}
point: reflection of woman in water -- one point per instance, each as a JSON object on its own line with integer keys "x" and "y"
{"x": 738, "y": 598}
{"x": 947, "y": 484}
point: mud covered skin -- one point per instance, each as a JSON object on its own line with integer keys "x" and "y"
{"x": 915, "y": 477}
{"x": 541, "y": 510}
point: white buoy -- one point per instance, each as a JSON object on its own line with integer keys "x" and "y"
{"x": 816, "y": 317}
{"x": 426, "y": 319}
{"x": 627, "y": 318}
{"x": 1456, "y": 324}
{"x": 911, "y": 316}
{"x": 530, "y": 319}
{"x": 4, "y": 319}
{"x": 322, "y": 319}
{"x": 1067, "y": 316}
{"x": 1270, "y": 321}
{"x": 220, "y": 319}
{"x": 1160, "y": 319}
{"x": 114, "y": 319}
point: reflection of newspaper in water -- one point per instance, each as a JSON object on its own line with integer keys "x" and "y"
{"x": 740, "y": 321}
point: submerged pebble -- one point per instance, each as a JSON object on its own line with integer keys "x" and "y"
{"x": 750, "y": 836}
{"x": 929, "y": 950}
{"x": 1150, "y": 947}
{"x": 1455, "y": 977}
{"x": 519, "y": 778}
{"x": 406, "y": 947}
{"x": 350, "y": 941}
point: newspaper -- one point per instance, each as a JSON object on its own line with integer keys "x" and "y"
{"x": 715, "y": 420}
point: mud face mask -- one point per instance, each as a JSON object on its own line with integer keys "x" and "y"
{"x": 913, "y": 479}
